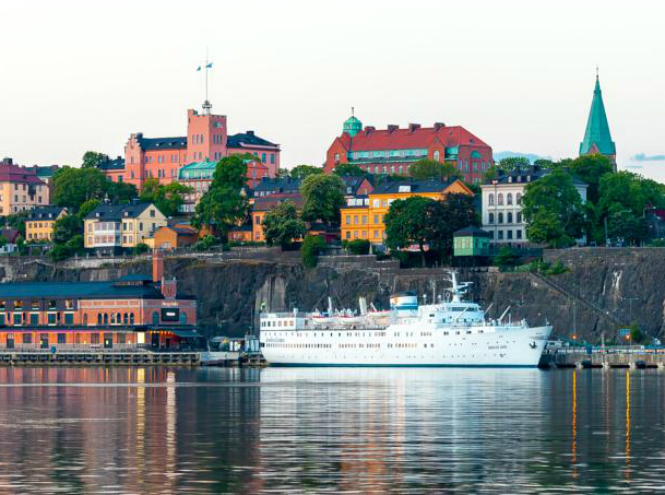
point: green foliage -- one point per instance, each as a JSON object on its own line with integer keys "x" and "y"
{"x": 225, "y": 204}
{"x": 140, "y": 248}
{"x": 92, "y": 159}
{"x": 87, "y": 208}
{"x": 491, "y": 173}
{"x": 357, "y": 246}
{"x": 59, "y": 252}
{"x": 546, "y": 268}
{"x": 167, "y": 198}
{"x": 348, "y": 169}
{"x": 430, "y": 169}
{"x": 17, "y": 221}
{"x": 323, "y": 196}
{"x": 456, "y": 211}
{"x": 66, "y": 228}
{"x": 310, "y": 250}
{"x": 3, "y": 241}
{"x": 74, "y": 186}
{"x": 206, "y": 243}
{"x": 511, "y": 163}
{"x": 553, "y": 209}
{"x": 67, "y": 249}
{"x": 506, "y": 258}
{"x": 303, "y": 171}
{"x": 627, "y": 227}
{"x": 590, "y": 169}
{"x": 282, "y": 226}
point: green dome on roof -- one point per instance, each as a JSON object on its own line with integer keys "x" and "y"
{"x": 352, "y": 126}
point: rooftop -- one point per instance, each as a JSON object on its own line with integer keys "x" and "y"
{"x": 164, "y": 143}
{"x": 108, "y": 212}
{"x": 412, "y": 185}
{"x": 117, "y": 163}
{"x": 45, "y": 213}
{"x": 248, "y": 139}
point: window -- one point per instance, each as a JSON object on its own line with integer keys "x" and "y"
{"x": 519, "y": 217}
{"x": 94, "y": 338}
{"x": 27, "y": 338}
{"x": 272, "y": 158}
{"x": 51, "y": 318}
{"x": 518, "y": 233}
{"x": 62, "y": 338}
{"x": 518, "y": 199}
{"x": 490, "y": 200}
{"x": 500, "y": 217}
{"x": 500, "y": 234}
{"x": 69, "y": 319}
{"x": 437, "y": 156}
{"x": 348, "y": 219}
{"x": 18, "y": 318}
{"x": 34, "y": 319}
{"x": 155, "y": 318}
{"x": 491, "y": 218}
{"x": 510, "y": 217}
{"x": 509, "y": 199}
{"x": 500, "y": 199}
{"x": 510, "y": 234}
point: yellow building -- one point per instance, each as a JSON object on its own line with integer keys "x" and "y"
{"x": 116, "y": 228}
{"x": 40, "y": 224}
{"x": 363, "y": 218}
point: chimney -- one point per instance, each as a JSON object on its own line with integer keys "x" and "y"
{"x": 169, "y": 288}
{"x": 414, "y": 127}
{"x": 250, "y": 133}
{"x": 438, "y": 126}
{"x": 157, "y": 265}
{"x": 392, "y": 128}
{"x": 369, "y": 129}
{"x": 7, "y": 161}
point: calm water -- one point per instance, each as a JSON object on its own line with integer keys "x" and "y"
{"x": 330, "y": 430}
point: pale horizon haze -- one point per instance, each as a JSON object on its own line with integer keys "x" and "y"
{"x": 83, "y": 75}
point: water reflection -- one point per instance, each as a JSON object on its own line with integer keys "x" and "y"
{"x": 136, "y": 430}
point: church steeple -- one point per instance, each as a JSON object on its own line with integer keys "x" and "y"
{"x": 597, "y": 137}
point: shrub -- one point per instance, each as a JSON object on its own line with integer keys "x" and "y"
{"x": 357, "y": 246}
{"x": 206, "y": 243}
{"x": 507, "y": 258}
{"x": 311, "y": 248}
{"x": 140, "y": 248}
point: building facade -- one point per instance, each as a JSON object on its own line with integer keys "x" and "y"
{"x": 129, "y": 312}
{"x": 20, "y": 189}
{"x": 597, "y": 136}
{"x": 114, "y": 228}
{"x": 393, "y": 150}
{"x": 502, "y": 205}
{"x": 40, "y": 224}
{"x": 207, "y": 139}
{"x": 363, "y": 217}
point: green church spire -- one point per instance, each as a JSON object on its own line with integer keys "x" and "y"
{"x": 597, "y": 137}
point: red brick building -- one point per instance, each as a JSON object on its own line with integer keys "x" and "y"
{"x": 392, "y": 150}
{"x": 132, "y": 311}
{"x": 207, "y": 139}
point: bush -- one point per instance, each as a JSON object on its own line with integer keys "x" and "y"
{"x": 507, "y": 258}
{"x": 206, "y": 243}
{"x": 311, "y": 248}
{"x": 59, "y": 252}
{"x": 357, "y": 246}
{"x": 140, "y": 248}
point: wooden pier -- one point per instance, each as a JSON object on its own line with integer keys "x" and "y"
{"x": 82, "y": 358}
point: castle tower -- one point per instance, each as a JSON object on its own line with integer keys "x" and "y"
{"x": 597, "y": 137}
{"x": 352, "y": 125}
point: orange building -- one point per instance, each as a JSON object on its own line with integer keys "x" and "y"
{"x": 363, "y": 217}
{"x": 134, "y": 310}
{"x": 175, "y": 236}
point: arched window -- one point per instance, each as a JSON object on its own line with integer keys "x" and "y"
{"x": 518, "y": 199}
{"x": 510, "y": 217}
{"x": 490, "y": 200}
{"x": 519, "y": 217}
{"x": 106, "y": 319}
{"x": 509, "y": 199}
{"x": 155, "y": 318}
{"x": 183, "y": 318}
{"x": 437, "y": 156}
{"x": 131, "y": 318}
{"x": 99, "y": 319}
{"x": 85, "y": 320}
{"x": 499, "y": 199}
{"x": 500, "y": 217}
{"x": 125, "y": 318}
{"x": 491, "y": 219}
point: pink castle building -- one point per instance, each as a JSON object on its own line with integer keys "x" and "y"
{"x": 207, "y": 140}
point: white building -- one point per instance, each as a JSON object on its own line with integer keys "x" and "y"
{"x": 502, "y": 205}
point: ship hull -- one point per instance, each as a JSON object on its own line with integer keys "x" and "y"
{"x": 479, "y": 346}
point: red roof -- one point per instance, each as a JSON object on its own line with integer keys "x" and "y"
{"x": 14, "y": 173}
{"x": 398, "y": 139}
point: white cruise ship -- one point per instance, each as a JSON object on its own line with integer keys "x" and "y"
{"x": 452, "y": 333}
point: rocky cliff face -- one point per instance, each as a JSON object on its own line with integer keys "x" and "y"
{"x": 602, "y": 291}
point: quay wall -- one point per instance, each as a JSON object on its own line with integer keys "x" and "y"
{"x": 602, "y": 290}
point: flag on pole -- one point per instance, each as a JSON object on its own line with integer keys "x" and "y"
{"x": 198, "y": 69}
{"x": 209, "y": 66}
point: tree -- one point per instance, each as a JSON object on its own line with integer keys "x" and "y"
{"x": 627, "y": 227}
{"x": 554, "y": 211}
{"x": 225, "y": 204}
{"x": 17, "y": 221}
{"x": 455, "y": 212}
{"x": 430, "y": 169}
{"x": 282, "y": 226}
{"x": 511, "y": 163}
{"x": 167, "y": 198}
{"x": 323, "y": 196}
{"x": 349, "y": 170}
{"x": 74, "y": 186}
{"x": 92, "y": 159}
{"x": 411, "y": 221}
{"x": 303, "y": 171}
{"x": 590, "y": 169}
{"x": 66, "y": 227}
{"x": 310, "y": 250}
{"x": 357, "y": 246}
{"x": 507, "y": 257}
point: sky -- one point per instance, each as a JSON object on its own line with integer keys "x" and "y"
{"x": 83, "y": 75}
